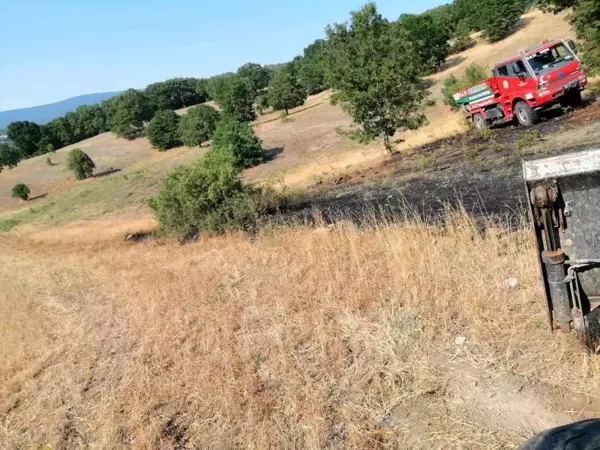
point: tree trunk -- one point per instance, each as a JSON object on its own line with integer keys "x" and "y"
{"x": 388, "y": 145}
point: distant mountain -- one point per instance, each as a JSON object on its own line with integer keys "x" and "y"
{"x": 45, "y": 113}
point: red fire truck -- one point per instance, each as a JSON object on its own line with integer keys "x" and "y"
{"x": 524, "y": 85}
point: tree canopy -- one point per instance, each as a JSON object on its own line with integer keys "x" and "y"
{"x": 285, "y": 92}
{"x": 197, "y": 125}
{"x": 429, "y": 38}
{"x": 163, "y": 130}
{"x": 9, "y": 156}
{"x": 236, "y": 99}
{"x": 175, "y": 93}
{"x": 371, "y": 67}
{"x": 128, "y": 113}
{"x": 25, "y": 135}
{"x": 257, "y": 75}
{"x": 585, "y": 19}
{"x": 239, "y": 138}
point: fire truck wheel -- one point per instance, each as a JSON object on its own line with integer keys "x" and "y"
{"x": 479, "y": 122}
{"x": 525, "y": 115}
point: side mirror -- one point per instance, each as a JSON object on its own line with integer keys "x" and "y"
{"x": 522, "y": 75}
{"x": 572, "y": 46}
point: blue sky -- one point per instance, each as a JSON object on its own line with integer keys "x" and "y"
{"x": 52, "y": 50}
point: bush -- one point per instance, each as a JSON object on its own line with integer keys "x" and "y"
{"x": 197, "y": 125}
{"x": 163, "y": 130}
{"x": 208, "y": 196}
{"x": 239, "y": 138}
{"x": 21, "y": 191}
{"x": 461, "y": 43}
{"x": 451, "y": 85}
{"x": 473, "y": 75}
{"x": 81, "y": 164}
{"x": 9, "y": 156}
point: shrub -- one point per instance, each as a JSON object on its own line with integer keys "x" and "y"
{"x": 21, "y": 191}
{"x": 197, "y": 125}
{"x": 9, "y": 156}
{"x": 7, "y": 224}
{"x": 451, "y": 85}
{"x": 163, "y": 130}
{"x": 239, "y": 137}
{"x": 208, "y": 196}
{"x": 473, "y": 75}
{"x": 461, "y": 43}
{"x": 81, "y": 164}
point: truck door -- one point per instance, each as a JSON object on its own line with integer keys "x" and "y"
{"x": 515, "y": 81}
{"x": 504, "y": 87}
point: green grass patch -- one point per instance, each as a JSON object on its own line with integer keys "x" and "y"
{"x": 7, "y": 224}
{"x": 95, "y": 199}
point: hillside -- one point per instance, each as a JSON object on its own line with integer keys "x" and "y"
{"x": 45, "y": 113}
{"x": 304, "y": 150}
{"x": 372, "y": 313}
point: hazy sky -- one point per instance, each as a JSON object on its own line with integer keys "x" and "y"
{"x": 52, "y": 50}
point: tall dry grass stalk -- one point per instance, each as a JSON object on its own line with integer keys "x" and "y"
{"x": 298, "y": 338}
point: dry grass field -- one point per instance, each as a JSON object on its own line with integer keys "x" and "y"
{"x": 389, "y": 335}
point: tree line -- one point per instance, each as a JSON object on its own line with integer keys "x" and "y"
{"x": 374, "y": 67}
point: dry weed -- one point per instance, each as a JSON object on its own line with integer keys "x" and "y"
{"x": 294, "y": 339}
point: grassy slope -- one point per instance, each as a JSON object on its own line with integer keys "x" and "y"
{"x": 300, "y": 338}
{"x": 337, "y": 338}
{"x": 306, "y": 148}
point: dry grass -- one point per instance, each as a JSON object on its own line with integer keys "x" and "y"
{"x": 299, "y": 338}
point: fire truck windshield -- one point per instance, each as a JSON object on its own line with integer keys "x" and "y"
{"x": 549, "y": 58}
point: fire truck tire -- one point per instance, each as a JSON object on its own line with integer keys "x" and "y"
{"x": 480, "y": 122}
{"x": 525, "y": 115}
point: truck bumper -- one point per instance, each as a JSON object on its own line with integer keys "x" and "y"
{"x": 547, "y": 96}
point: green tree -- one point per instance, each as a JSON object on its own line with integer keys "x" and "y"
{"x": 474, "y": 73}
{"x": 197, "y": 125}
{"x": 81, "y": 164}
{"x": 21, "y": 191}
{"x": 310, "y": 68}
{"x": 202, "y": 88}
{"x": 163, "y": 130}
{"x": 240, "y": 139}
{"x": 429, "y": 38}
{"x": 58, "y": 132}
{"x": 25, "y": 135}
{"x": 285, "y": 92}
{"x": 9, "y": 156}
{"x": 500, "y": 18}
{"x": 258, "y": 75}
{"x": 174, "y": 93}
{"x": 585, "y": 19}
{"x": 91, "y": 121}
{"x": 372, "y": 70}
{"x": 207, "y": 196}
{"x": 236, "y": 99}
{"x": 217, "y": 85}
{"x": 128, "y": 113}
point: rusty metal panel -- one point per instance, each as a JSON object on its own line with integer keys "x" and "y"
{"x": 565, "y": 205}
{"x": 562, "y": 166}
